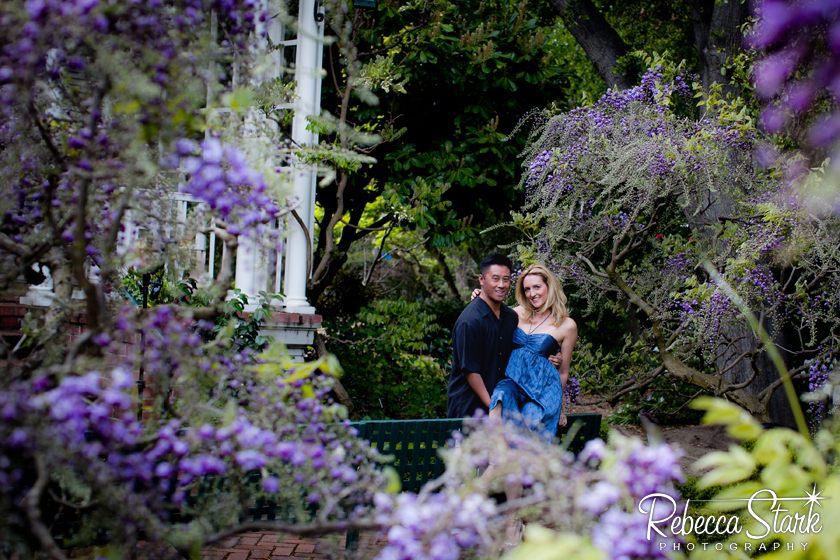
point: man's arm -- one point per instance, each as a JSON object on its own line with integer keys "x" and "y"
{"x": 465, "y": 342}
{"x": 477, "y": 385}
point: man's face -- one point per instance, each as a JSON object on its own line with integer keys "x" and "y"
{"x": 495, "y": 282}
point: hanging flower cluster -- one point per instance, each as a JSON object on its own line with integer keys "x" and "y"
{"x": 222, "y": 177}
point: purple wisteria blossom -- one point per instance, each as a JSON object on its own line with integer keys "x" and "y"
{"x": 435, "y": 526}
{"x": 145, "y": 472}
{"x": 623, "y": 536}
{"x": 222, "y": 177}
{"x": 818, "y": 376}
{"x": 799, "y": 44}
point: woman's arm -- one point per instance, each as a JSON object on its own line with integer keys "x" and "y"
{"x": 568, "y": 330}
{"x": 568, "y": 333}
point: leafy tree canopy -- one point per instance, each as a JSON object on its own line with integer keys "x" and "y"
{"x": 453, "y": 79}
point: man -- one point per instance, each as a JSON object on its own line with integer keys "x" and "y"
{"x": 482, "y": 341}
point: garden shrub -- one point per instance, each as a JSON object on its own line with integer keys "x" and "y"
{"x": 604, "y": 430}
{"x": 388, "y": 353}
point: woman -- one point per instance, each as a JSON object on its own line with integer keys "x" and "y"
{"x": 533, "y": 388}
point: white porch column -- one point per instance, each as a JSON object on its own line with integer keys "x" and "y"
{"x": 251, "y": 270}
{"x": 246, "y": 260}
{"x": 308, "y": 76}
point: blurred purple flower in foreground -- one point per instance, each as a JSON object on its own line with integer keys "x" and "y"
{"x": 799, "y": 67}
{"x": 222, "y": 177}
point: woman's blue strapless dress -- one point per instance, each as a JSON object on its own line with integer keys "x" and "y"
{"x": 531, "y": 390}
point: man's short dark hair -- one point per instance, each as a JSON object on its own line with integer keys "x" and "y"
{"x": 495, "y": 258}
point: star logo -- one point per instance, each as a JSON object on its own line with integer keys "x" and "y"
{"x": 814, "y": 496}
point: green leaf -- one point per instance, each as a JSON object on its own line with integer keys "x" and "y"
{"x": 307, "y": 391}
{"x": 737, "y": 492}
{"x": 785, "y": 479}
{"x": 740, "y": 423}
{"x": 240, "y": 99}
{"x": 394, "y": 484}
{"x": 732, "y": 466}
{"x": 544, "y": 544}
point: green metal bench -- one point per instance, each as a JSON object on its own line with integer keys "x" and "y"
{"x": 414, "y": 445}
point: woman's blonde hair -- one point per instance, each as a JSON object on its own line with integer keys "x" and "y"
{"x": 556, "y": 300}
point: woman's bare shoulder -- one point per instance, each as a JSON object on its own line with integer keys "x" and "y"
{"x": 567, "y": 325}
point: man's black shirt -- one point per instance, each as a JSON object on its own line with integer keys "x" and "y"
{"x": 481, "y": 344}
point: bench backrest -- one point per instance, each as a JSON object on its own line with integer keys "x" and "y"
{"x": 414, "y": 443}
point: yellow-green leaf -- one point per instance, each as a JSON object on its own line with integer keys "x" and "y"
{"x": 740, "y": 423}
{"x": 394, "y": 484}
{"x": 828, "y": 539}
{"x": 771, "y": 446}
{"x": 732, "y": 466}
{"x": 737, "y": 492}
{"x": 128, "y": 107}
{"x": 544, "y": 544}
{"x": 785, "y": 479}
{"x": 307, "y": 391}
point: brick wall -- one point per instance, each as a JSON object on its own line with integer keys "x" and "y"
{"x": 295, "y": 319}
{"x": 11, "y": 318}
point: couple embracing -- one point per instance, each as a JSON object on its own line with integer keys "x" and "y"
{"x": 513, "y": 363}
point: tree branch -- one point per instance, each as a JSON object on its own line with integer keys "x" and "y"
{"x": 298, "y": 219}
{"x": 110, "y": 244}
{"x": 378, "y": 257}
{"x": 649, "y": 378}
{"x": 31, "y": 505}
{"x": 65, "y": 503}
{"x": 11, "y": 247}
{"x": 444, "y": 268}
{"x": 417, "y": 268}
{"x": 45, "y": 135}
{"x": 753, "y": 375}
{"x": 591, "y": 266}
{"x": 364, "y": 340}
{"x": 674, "y": 365}
{"x": 366, "y": 228}
{"x": 95, "y": 310}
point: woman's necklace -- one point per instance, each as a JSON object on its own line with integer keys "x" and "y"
{"x": 532, "y": 329}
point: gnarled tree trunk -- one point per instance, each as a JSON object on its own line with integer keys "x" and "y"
{"x": 601, "y": 43}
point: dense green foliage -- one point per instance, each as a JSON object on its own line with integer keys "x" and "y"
{"x": 453, "y": 80}
{"x": 395, "y": 359}
{"x": 242, "y": 329}
{"x": 487, "y": 65}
